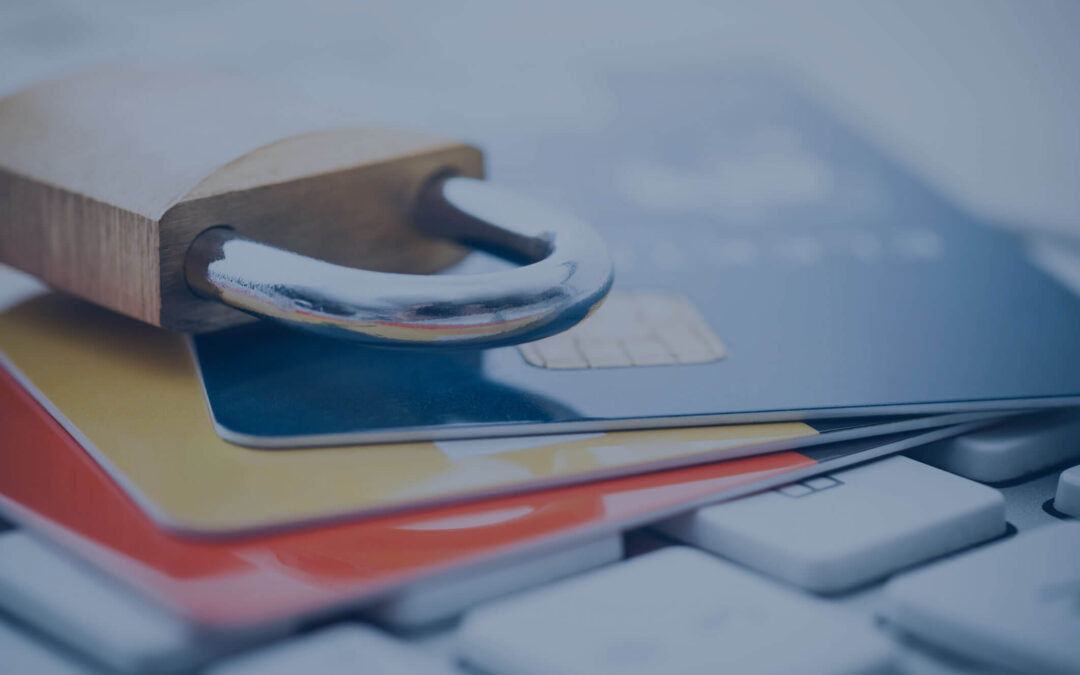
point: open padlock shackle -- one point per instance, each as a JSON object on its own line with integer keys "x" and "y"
{"x": 565, "y": 274}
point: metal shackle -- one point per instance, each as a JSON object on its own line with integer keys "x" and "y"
{"x": 565, "y": 273}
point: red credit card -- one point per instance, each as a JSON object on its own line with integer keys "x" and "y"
{"x": 49, "y": 484}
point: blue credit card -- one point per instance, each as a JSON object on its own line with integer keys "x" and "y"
{"x": 809, "y": 276}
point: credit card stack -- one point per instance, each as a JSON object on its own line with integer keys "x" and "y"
{"x": 788, "y": 302}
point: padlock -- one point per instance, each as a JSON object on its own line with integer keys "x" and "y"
{"x": 191, "y": 201}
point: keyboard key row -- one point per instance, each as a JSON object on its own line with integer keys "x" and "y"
{"x": 678, "y": 610}
{"x": 825, "y": 534}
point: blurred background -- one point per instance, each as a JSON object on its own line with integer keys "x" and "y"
{"x": 981, "y": 97}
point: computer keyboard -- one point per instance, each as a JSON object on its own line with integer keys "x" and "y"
{"x": 902, "y": 564}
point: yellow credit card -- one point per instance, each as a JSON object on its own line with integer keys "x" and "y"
{"x": 129, "y": 393}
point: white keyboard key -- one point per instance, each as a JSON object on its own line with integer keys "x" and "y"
{"x": 674, "y": 611}
{"x": 832, "y": 533}
{"x": 345, "y": 649}
{"x": 76, "y": 606}
{"x": 1015, "y": 604}
{"x": 427, "y": 604}
{"x": 1067, "y": 499}
{"x": 23, "y": 653}
{"x": 1009, "y": 450}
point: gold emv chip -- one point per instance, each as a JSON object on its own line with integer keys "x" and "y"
{"x": 631, "y": 328}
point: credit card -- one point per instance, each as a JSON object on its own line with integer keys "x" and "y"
{"x": 812, "y": 277}
{"x": 131, "y": 396}
{"x": 50, "y": 485}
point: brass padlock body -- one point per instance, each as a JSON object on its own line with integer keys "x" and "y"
{"x": 106, "y": 178}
